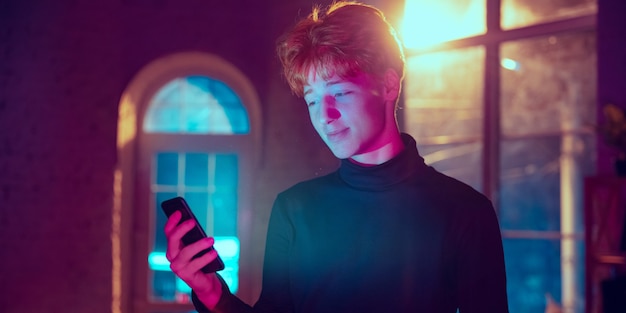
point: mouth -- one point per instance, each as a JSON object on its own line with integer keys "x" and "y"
{"x": 336, "y": 135}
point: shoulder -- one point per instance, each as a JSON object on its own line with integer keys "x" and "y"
{"x": 312, "y": 185}
{"x": 457, "y": 195}
{"x": 307, "y": 191}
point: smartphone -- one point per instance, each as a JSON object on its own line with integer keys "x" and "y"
{"x": 196, "y": 233}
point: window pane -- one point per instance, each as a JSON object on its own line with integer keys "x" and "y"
{"x": 226, "y": 170}
{"x": 199, "y": 204}
{"x": 167, "y": 169}
{"x": 443, "y": 110}
{"x": 533, "y": 269}
{"x": 530, "y": 184}
{"x": 224, "y": 198}
{"x": 235, "y": 112}
{"x": 210, "y": 188}
{"x": 428, "y": 22}
{"x": 548, "y": 84}
{"x": 520, "y": 13}
{"x": 196, "y": 169}
{"x": 443, "y": 95}
{"x": 221, "y": 91}
{"x": 531, "y": 173}
{"x": 461, "y": 161}
{"x": 225, "y": 222}
{"x": 196, "y": 104}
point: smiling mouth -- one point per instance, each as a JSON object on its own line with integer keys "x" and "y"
{"x": 336, "y": 135}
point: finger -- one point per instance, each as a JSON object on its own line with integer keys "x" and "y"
{"x": 190, "y": 251}
{"x": 172, "y": 222}
{"x": 189, "y": 269}
{"x": 197, "y": 264}
{"x": 180, "y": 230}
{"x": 185, "y": 266}
{"x": 174, "y": 243}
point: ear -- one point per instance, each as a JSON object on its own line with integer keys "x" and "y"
{"x": 391, "y": 81}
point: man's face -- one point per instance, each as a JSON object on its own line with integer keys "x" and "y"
{"x": 348, "y": 114}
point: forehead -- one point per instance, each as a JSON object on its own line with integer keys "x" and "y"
{"x": 315, "y": 76}
{"x": 327, "y": 78}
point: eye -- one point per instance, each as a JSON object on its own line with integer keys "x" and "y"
{"x": 342, "y": 93}
{"x": 310, "y": 102}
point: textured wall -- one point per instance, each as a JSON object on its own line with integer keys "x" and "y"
{"x": 63, "y": 68}
{"x": 57, "y": 134}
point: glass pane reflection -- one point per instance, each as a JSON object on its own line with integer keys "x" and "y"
{"x": 530, "y": 184}
{"x": 520, "y": 13}
{"x": 196, "y": 104}
{"x": 461, "y": 161}
{"x": 443, "y": 95}
{"x": 530, "y": 181}
{"x": 533, "y": 273}
{"x": 443, "y": 110}
{"x": 548, "y": 84}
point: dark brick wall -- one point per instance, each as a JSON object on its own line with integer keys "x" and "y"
{"x": 60, "y": 84}
{"x": 63, "y": 68}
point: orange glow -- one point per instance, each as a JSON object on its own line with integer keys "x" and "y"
{"x": 127, "y": 121}
{"x": 427, "y": 23}
{"x": 116, "y": 251}
{"x": 520, "y": 13}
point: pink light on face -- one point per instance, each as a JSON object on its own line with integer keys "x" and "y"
{"x": 353, "y": 116}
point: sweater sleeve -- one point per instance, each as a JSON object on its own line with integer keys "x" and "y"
{"x": 227, "y": 303}
{"x": 275, "y": 294}
{"x": 480, "y": 263}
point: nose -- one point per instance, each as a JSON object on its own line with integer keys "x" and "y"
{"x": 328, "y": 110}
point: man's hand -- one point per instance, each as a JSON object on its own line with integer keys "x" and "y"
{"x": 207, "y": 287}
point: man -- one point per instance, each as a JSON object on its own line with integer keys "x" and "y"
{"x": 385, "y": 232}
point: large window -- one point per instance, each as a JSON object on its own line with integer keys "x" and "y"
{"x": 508, "y": 87}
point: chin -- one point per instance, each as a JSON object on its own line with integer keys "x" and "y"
{"x": 341, "y": 154}
{"x": 342, "y": 149}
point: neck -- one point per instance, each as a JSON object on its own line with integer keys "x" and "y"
{"x": 382, "y": 154}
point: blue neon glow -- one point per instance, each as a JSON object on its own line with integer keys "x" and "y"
{"x": 228, "y": 249}
{"x": 510, "y": 64}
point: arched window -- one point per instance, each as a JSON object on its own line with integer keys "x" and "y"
{"x": 196, "y": 104}
{"x": 206, "y": 178}
{"x": 196, "y": 134}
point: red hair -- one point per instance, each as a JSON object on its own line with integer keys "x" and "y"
{"x": 345, "y": 39}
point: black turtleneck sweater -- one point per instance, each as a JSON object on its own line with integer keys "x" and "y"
{"x": 396, "y": 237}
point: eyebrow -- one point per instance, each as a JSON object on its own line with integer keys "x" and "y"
{"x": 330, "y": 83}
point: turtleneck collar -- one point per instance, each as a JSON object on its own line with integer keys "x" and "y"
{"x": 387, "y": 174}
